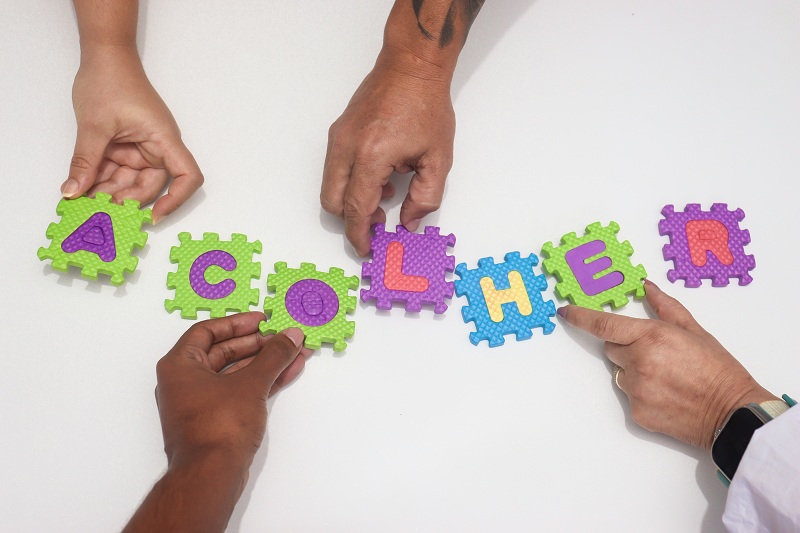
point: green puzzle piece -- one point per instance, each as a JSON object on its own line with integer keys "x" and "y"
{"x": 213, "y": 275}
{"x": 568, "y": 286}
{"x": 321, "y": 311}
{"x": 97, "y": 236}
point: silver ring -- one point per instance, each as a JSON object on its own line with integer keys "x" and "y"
{"x": 616, "y": 376}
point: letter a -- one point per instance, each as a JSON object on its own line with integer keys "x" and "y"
{"x": 96, "y": 235}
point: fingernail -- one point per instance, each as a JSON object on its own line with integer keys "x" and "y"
{"x": 648, "y": 283}
{"x": 562, "y": 312}
{"x": 69, "y": 188}
{"x": 296, "y": 335}
{"x": 413, "y": 224}
{"x": 156, "y": 219}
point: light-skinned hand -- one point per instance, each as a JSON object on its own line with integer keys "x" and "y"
{"x": 128, "y": 143}
{"x": 400, "y": 119}
{"x": 679, "y": 379}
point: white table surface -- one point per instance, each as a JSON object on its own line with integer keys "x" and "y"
{"x": 569, "y": 112}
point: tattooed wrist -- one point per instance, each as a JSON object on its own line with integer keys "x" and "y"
{"x": 444, "y": 20}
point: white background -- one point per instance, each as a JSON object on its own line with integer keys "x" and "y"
{"x": 569, "y": 112}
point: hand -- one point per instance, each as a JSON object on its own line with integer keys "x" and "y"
{"x": 213, "y": 386}
{"x": 400, "y": 119}
{"x": 128, "y": 143}
{"x": 679, "y": 379}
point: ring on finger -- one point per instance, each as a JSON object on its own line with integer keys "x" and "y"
{"x": 617, "y": 370}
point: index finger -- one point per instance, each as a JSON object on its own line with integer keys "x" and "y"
{"x": 186, "y": 179}
{"x": 618, "y": 329}
{"x": 335, "y": 176}
{"x": 362, "y": 203}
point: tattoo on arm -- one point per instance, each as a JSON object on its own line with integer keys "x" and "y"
{"x": 459, "y": 12}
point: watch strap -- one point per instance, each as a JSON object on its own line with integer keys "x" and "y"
{"x": 769, "y": 410}
{"x": 774, "y": 408}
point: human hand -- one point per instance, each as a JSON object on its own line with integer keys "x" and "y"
{"x": 128, "y": 143}
{"x": 400, "y": 119}
{"x": 213, "y": 386}
{"x": 679, "y": 379}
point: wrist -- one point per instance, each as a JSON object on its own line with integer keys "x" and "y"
{"x": 197, "y": 493}
{"x": 736, "y": 397}
{"x": 224, "y": 469}
{"x": 414, "y": 68}
{"x": 115, "y": 53}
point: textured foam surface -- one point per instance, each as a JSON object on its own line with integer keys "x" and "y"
{"x": 706, "y": 245}
{"x": 409, "y": 267}
{"x": 504, "y": 298}
{"x": 213, "y": 275}
{"x": 595, "y": 269}
{"x": 97, "y": 236}
{"x": 316, "y": 302}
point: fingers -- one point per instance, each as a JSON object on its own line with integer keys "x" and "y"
{"x": 276, "y": 356}
{"x": 90, "y": 146}
{"x": 187, "y": 178}
{"x": 204, "y": 335}
{"x": 669, "y": 309}
{"x": 362, "y": 203}
{"x": 335, "y": 177}
{"x": 235, "y": 350}
{"x": 618, "y": 329}
{"x": 146, "y": 187}
{"x": 424, "y": 194}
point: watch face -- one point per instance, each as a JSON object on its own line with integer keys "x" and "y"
{"x": 732, "y": 441}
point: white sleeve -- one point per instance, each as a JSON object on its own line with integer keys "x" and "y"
{"x": 765, "y": 493}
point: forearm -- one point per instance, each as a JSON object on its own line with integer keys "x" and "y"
{"x": 432, "y": 32}
{"x": 106, "y": 23}
{"x": 196, "y": 496}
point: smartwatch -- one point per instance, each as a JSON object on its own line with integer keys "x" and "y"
{"x": 731, "y": 440}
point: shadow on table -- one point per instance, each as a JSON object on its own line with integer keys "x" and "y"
{"x": 492, "y": 23}
{"x": 707, "y": 481}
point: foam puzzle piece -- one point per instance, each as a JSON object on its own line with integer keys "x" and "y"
{"x": 213, "y": 275}
{"x": 504, "y": 298}
{"x": 409, "y": 267}
{"x": 595, "y": 269}
{"x": 97, "y": 236}
{"x": 316, "y": 302}
{"x": 706, "y": 244}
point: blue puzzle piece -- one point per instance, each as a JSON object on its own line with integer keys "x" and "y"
{"x": 504, "y": 298}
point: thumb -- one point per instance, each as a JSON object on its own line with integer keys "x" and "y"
{"x": 277, "y": 354}
{"x": 425, "y": 193}
{"x": 90, "y": 147}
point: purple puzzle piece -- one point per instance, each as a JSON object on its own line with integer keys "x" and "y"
{"x": 409, "y": 267}
{"x": 737, "y": 265}
{"x": 96, "y": 235}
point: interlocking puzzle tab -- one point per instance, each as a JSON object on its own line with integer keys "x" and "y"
{"x": 595, "y": 269}
{"x": 504, "y": 298}
{"x": 706, "y": 244}
{"x": 316, "y": 302}
{"x": 409, "y": 267}
{"x": 213, "y": 275}
{"x": 96, "y": 235}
